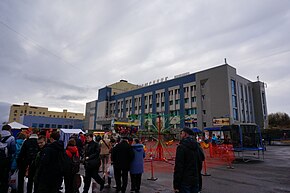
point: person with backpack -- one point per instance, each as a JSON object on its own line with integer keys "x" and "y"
{"x": 105, "y": 147}
{"x": 26, "y": 156}
{"x": 7, "y": 149}
{"x": 19, "y": 142}
{"x": 92, "y": 164}
{"x": 52, "y": 165}
{"x": 73, "y": 154}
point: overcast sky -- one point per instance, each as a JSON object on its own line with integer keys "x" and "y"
{"x": 57, "y": 54}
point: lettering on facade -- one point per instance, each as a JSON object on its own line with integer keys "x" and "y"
{"x": 181, "y": 75}
{"x": 155, "y": 81}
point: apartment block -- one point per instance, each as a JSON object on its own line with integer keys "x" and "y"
{"x": 16, "y": 111}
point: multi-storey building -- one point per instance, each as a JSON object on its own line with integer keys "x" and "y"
{"x": 192, "y": 100}
{"x": 16, "y": 111}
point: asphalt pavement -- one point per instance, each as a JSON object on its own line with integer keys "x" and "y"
{"x": 271, "y": 175}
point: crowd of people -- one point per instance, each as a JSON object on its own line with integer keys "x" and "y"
{"x": 47, "y": 164}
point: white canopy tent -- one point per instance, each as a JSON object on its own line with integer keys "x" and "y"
{"x": 66, "y": 133}
{"x": 16, "y": 125}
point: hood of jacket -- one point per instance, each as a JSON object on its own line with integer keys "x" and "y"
{"x": 19, "y": 141}
{"x": 72, "y": 149}
{"x": 5, "y": 133}
{"x": 189, "y": 143}
{"x": 57, "y": 145}
{"x": 138, "y": 147}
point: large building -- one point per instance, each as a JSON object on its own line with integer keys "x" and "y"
{"x": 17, "y": 111}
{"x": 201, "y": 99}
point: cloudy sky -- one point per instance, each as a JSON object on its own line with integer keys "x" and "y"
{"x": 57, "y": 54}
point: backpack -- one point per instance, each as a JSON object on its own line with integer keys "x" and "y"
{"x": 64, "y": 163}
{"x": 32, "y": 150}
{"x": 4, "y": 154}
{"x": 75, "y": 164}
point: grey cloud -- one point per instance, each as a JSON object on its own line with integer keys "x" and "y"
{"x": 64, "y": 52}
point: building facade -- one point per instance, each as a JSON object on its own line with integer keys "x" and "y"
{"x": 16, "y": 111}
{"x": 192, "y": 100}
{"x": 51, "y": 123}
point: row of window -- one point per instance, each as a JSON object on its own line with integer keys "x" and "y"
{"x": 186, "y": 101}
{"x": 30, "y": 112}
{"x": 55, "y": 116}
{"x": 53, "y": 126}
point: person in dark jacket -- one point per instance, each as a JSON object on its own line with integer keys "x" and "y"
{"x": 41, "y": 141}
{"x": 186, "y": 173}
{"x": 137, "y": 165}
{"x": 25, "y": 158}
{"x": 50, "y": 171}
{"x": 122, "y": 156}
{"x": 8, "y": 141}
{"x": 92, "y": 164}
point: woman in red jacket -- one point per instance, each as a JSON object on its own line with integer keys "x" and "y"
{"x": 71, "y": 186}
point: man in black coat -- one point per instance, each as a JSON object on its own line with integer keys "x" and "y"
{"x": 50, "y": 172}
{"x": 25, "y": 158}
{"x": 92, "y": 164}
{"x": 122, "y": 156}
{"x": 186, "y": 172}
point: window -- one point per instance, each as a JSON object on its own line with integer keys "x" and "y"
{"x": 204, "y": 112}
{"x": 186, "y": 100}
{"x": 204, "y": 124}
{"x": 170, "y": 102}
{"x": 30, "y": 112}
{"x": 70, "y": 126}
{"x": 34, "y": 125}
{"x": 176, "y": 91}
{"x": 193, "y": 99}
{"x": 233, "y": 86}
{"x": 59, "y": 126}
{"x": 41, "y": 125}
{"x": 202, "y": 97}
{"x": 235, "y": 111}
{"x": 176, "y": 102}
{"x": 15, "y": 111}
{"x": 47, "y": 125}
{"x": 53, "y": 126}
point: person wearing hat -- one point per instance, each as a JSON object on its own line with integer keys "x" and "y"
{"x": 121, "y": 157}
{"x": 186, "y": 173}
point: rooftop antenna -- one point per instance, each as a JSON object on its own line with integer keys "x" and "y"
{"x": 258, "y": 78}
{"x": 226, "y": 61}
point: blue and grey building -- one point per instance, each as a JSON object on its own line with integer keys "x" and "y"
{"x": 190, "y": 99}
